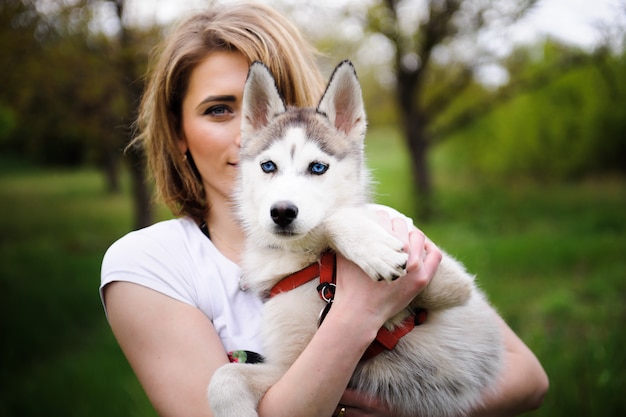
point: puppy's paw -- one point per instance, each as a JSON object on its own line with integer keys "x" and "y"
{"x": 384, "y": 260}
{"x": 379, "y": 254}
{"x": 229, "y": 395}
{"x": 357, "y": 235}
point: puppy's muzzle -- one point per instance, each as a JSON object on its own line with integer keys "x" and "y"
{"x": 283, "y": 213}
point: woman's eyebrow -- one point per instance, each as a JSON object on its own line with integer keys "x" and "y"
{"x": 226, "y": 97}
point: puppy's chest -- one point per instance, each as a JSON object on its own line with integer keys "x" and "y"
{"x": 265, "y": 267}
{"x": 290, "y": 321}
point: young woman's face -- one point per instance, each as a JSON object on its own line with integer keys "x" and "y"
{"x": 211, "y": 116}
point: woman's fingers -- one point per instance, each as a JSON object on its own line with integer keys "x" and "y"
{"x": 432, "y": 257}
{"x": 397, "y": 226}
{"x": 424, "y": 255}
{"x": 415, "y": 250}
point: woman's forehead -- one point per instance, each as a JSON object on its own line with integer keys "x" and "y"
{"x": 221, "y": 73}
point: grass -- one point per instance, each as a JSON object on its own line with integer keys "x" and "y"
{"x": 59, "y": 356}
{"x": 551, "y": 259}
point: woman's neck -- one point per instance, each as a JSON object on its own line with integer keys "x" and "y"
{"x": 225, "y": 231}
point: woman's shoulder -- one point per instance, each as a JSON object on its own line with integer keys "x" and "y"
{"x": 165, "y": 256}
{"x": 163, "y": 229}
{"x": 167, "y": 234}
{"x": 164, "y": 247}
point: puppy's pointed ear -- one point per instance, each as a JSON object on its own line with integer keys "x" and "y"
{"x": 261, "y": 99}
{"x": 342, "y": 102}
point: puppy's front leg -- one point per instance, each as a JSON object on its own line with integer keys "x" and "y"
{"x": 355, "y": 233}
{"x": 236, "y": 389}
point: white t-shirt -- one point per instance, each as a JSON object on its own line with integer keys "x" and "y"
{"x": 175, "y": 258}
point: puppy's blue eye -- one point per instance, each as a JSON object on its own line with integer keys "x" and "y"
{"x": 317, "y": 168}
{"x": 268, "y": 167}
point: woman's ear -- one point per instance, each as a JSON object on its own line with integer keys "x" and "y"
{"x": 181, "y": 143}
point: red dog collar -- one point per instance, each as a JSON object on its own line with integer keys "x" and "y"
{"x": 325, "y": 270}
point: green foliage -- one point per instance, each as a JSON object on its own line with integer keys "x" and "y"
{"x": 67, "y": 87}
{"x": 7, "y": 122}
{"x": 389, "y": 161}
{"x": 573, "y": 126}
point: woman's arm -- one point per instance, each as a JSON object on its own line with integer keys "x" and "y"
{"x": 172, "y": 347}
{"x": 523, "y": 382}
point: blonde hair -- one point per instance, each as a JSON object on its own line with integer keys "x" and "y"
{"x": 254, "y": 30}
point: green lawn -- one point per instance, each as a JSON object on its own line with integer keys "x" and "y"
{"x": 551, "y": 259}
{"x": 58, "y": 355}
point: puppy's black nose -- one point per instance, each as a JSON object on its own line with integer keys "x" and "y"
{"x": 283, "y": 213}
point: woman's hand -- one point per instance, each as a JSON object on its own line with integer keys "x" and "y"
{"x": 379, "y": 301}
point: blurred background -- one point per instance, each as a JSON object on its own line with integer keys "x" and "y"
{"x": 498, "y": 125}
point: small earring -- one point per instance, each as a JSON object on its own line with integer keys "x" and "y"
{"x": 184, "y": 157}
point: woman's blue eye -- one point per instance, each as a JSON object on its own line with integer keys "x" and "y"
{"x": 268, "y": 167}
{"x": 317, "y": 168}
{"x": 217, "y": 110}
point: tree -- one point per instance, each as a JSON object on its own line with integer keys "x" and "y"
{"x": 127, "y": 65}
{"x": 563, "y": 126}
{"x": 440, "y": 24}
{"x": 71, "y": 87}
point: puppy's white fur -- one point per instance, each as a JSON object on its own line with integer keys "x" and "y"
{"x": 442, "y": 367}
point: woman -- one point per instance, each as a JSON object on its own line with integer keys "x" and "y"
{"x": 171, "y": 290}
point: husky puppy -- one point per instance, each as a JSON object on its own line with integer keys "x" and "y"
{"x": 304, "y": 188}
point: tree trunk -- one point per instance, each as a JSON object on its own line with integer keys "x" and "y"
{"x": 417, "y": 144}
{"x": 110, "y": 166}
{"x": 414, "y": 123}
{"x": 142, "y": 201}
